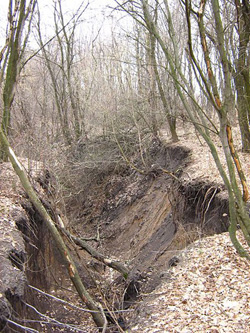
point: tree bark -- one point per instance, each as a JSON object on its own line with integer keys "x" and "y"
{"x": 242, "y": 75}
{"x": 171, "y": 120}
{"x": 13, "y": 64}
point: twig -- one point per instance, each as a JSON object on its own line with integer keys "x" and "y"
{"x": 52, "y": 320}
{"x": 61, "y": 300}
{"x": 169, "y": 173}
{"x": 25, "y": 328}
{"x": 120, "y": 267}
{"x": 142, "y": 172}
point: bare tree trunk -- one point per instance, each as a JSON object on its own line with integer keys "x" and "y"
{"x": 17, "y": 17}
{"x": 242, "y": 75}
{"x": 96, "y": 308}
{"x": 170, "y": 118}
{"x": 60, "y": 104}
{"x": 152, "y": 85}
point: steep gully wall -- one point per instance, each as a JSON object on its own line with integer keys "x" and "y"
{"x": 145, "y": 221}
{"x": 158, "y": 216}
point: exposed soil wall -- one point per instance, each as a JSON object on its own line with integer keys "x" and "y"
{"x": 14, "y": 256}
{"x": 145, "y": 220}
{"x": 153, "y": 217}
{"x": 31, "y": 265}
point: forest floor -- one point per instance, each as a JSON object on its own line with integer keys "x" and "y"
{"x": 203, "y": 166}
{"x": 208, "y": 291}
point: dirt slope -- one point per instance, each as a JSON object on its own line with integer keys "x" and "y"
{"x": 146, "y": 221}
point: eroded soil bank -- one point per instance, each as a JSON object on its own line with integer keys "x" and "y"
{"x": 143, "y": 220}
{"x": 147, "y": 220}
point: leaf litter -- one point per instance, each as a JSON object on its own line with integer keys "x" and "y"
{"x": 209, "y": 291}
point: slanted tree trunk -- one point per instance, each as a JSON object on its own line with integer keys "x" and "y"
{"x": 95, "y": 307}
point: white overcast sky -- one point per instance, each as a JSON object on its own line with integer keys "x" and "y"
{"x": 96, "y": 16}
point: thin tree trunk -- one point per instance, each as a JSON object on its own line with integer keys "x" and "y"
{"x": 242, "y": 78}
{"x": 171, "y": 120}
{"x": 96, "y": 308}
{"x": 243, "y": 111}
{"x": 12, "y": 69}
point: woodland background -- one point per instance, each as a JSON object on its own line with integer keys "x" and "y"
{"x": 82, "y": 102}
